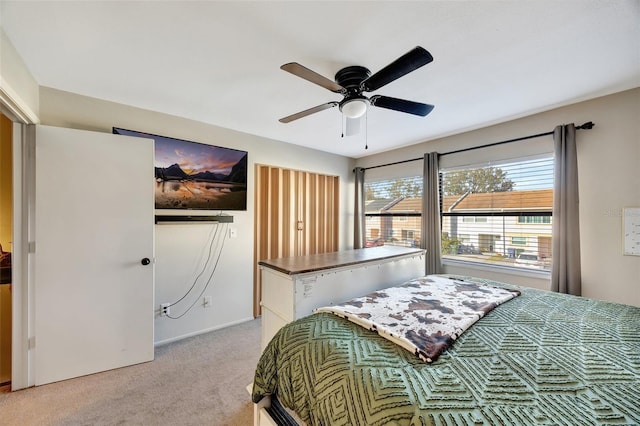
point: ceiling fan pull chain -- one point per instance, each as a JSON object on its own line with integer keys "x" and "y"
{"x": 366, "y": 130}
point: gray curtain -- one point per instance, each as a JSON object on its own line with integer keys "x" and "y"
{"x": 358, "y": 216}
{"x": 565, "y": 269}
{"x": 431, "y": 235}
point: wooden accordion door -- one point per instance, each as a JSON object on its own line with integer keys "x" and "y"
{"x": 296, "y": 213}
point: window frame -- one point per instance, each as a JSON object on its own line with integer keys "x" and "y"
{"x": 393, "y": 236}
{"x": 474, "y": 244}
{"x": 502, "y": 240}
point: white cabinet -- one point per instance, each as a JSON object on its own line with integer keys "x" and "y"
{"x": 292, "y": 287}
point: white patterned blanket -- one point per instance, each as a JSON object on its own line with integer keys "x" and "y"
{"x": 424, "y": 315}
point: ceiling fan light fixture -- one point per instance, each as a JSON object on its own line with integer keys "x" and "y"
{"x": 354, "y": 108}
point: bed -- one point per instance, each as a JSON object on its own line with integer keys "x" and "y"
{"x": 539, "y": 358}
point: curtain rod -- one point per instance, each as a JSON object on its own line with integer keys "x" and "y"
{"x": 586, "y": 126}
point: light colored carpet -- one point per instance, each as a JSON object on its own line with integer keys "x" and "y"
{"x": 201, "y": 380}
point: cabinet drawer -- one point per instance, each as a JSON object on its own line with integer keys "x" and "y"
{"x": 271, "y": 323}
{"x": 277, "y": 293}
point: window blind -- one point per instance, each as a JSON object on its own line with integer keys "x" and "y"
{"x": 499, "y": 213}
{"x": 393, "y": 210}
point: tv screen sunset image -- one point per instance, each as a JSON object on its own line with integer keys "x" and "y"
{"x": 192, "y": 175}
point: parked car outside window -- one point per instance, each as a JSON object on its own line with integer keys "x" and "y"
{"x": 374, "y": 243}
{"x": 529, "y": 260}
{"x": 467, "y": 249}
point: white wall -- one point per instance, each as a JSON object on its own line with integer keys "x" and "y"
{"x": 18, "y": 88}
{"x": 178, "y": 247}
{"x": 609, "y": 179}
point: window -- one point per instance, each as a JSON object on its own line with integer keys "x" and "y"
{"x": 474, "y": 219}
{"x": 408, "y": 234}
{"x": 534, "y": 219}
{"x": 393, "y": 211}
{"x": 519, "y": 241}
{"x": 493, "y": 213}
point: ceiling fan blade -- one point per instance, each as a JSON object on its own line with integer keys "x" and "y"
{"x": 306, "y": 112}
{"x": 408, "y": 62}
{"x": 402, "y": 105}
{"x": 312, "y": 76}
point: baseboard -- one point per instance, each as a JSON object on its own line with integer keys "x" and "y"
{"x": 203, "y": 331}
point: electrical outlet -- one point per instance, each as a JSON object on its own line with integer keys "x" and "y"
{"x": 207, "y": 302}
{"x": 165, "y": 309}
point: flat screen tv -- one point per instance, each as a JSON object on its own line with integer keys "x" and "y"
{"x": 196, "y": 176}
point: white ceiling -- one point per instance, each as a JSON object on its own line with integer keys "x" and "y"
{"x": 218, "y": 61}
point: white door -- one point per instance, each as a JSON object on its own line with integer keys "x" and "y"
{"x": 94, "y": 219}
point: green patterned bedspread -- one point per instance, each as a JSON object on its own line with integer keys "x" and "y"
{"x": 540, "y": 359}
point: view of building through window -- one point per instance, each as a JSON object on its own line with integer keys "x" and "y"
{"x": 490, "y": 214}
{"x": 499, "y": 214}
{"x": 393, "y": 210}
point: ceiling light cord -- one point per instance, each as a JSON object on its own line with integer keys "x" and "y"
{"x": 366, "y": 130}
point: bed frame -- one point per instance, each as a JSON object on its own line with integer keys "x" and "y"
{"x": 267, "y": 414}
{"x": 261, "y": 416}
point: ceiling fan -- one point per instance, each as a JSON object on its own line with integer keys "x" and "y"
{"x": 352, "y": 81}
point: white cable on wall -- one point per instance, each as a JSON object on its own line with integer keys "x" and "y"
{"x": 215, "y": 238}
